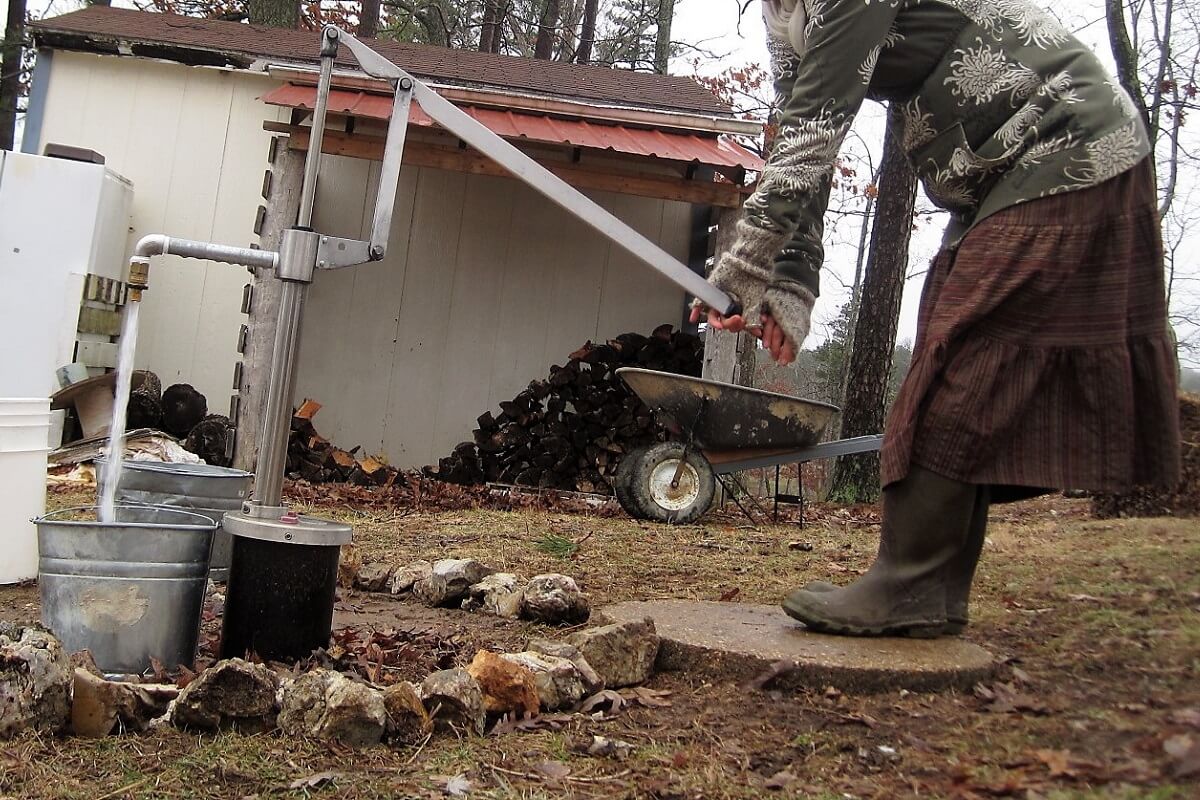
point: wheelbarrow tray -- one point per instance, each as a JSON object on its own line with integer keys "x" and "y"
{"x": 723, "y": 416}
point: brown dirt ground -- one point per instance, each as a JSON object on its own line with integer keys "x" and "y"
{"x": 1098, "y": 623}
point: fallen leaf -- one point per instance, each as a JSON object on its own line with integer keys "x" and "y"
{"x": 1189, "y": 717}
{"x": 510, "y": 724}
{"x": 780, "y": 780}
{"x": 1058, "y": 762}
{"x": 554, "y": 770}
{"x": 1185, "y": 755}
{"x": 862, "y": 719}
{"x": 776, "y": 670}
{"x": 604, "y": 747}
{"x": 614, "y": 702}
{"x": 457, "y": 786}
{"x": 315, "y": 781}
{"x": 728, "y": 596}
{"x": 650, "y": 698}
{"x": 1003, "y": 698}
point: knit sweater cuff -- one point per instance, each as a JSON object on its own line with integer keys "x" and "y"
{"x": 745, "y": 270}
{"x": 790, "y": 305}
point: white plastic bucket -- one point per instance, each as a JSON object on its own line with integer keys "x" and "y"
{"x": 24, "y": 438}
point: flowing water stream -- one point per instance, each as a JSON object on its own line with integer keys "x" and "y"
{"x": 116, "y": 430}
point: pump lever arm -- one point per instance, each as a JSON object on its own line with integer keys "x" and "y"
{"x": 516, "y": 163}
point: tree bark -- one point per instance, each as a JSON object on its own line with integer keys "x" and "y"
{"x": 10, "y": 72}
{"x": 543, "y": 48}
{"x": 662, "y": 39}
{"x": 274, "y": 13}
{"x": 725, "y": 353}
{"x": 283, "y": 208}
{"x": 368, "y": 19}
{"x": 856, "y": 479}
{"x": 491, "y": 25}
{"x": 1126, "y": 58}
{"x": 587, "y": 32}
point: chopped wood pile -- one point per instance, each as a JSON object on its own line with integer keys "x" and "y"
{"x": 182, "y": 412}
{"x": 1180, "y": 501}
{"x": 570, "y": 430}
{"x": 315, "y": 459}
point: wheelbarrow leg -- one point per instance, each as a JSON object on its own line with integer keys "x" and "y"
{"x": 687, "y": 446}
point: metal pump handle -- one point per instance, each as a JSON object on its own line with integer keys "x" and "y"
{"x": 519, "y": 165}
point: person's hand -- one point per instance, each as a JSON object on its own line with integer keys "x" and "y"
{"x": 733, "y": 324}
{"x": 783, "y": 350}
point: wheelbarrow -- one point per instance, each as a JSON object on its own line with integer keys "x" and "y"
{"x": 717, "y": 429}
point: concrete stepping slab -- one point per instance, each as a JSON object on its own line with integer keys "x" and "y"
{"x": 742, "y": 642}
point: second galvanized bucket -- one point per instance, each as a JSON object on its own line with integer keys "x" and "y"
{"x": 200, "y": 488}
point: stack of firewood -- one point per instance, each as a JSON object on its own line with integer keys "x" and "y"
{"x": 317, "y": 460}
{"x": 571, "y": 430}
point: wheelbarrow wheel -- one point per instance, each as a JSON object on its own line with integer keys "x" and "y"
{"x": 646, "y": 485}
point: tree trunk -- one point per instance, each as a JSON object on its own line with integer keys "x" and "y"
{"x": 662, "y": 40}
{"x": 283, "y": 207}
{"x": 587, "y": 32}
{"x": 725, "y": 353}
{"x": 490, "y": 27}
{"x": 544, "y": 47}
{"x": 856, "y": 479}
{"x": 368, "y": 19}
{"x": 1126, "y": 57}
{"x": 10, "y": 72}
{"x": 274, "y": 13}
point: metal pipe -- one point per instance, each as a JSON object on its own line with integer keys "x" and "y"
{"x": 281, "y": 384}
{"x": 159, "y": 245}
{"x": 312, "y": 164}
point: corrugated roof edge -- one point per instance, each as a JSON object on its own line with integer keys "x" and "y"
{"x": 114, "y": 31}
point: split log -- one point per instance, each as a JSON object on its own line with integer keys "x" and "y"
{"x": 315, "y": 459}
{"x": 182, "y": 409}
{"x": 571, "y": 429}
{"x": 144, "y": 411}
{"x": 210, "y": 440}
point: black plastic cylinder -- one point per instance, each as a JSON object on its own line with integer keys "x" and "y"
{"x": 279, "y": 600}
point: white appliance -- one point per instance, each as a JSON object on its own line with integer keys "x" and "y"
{"x": 64, "y": 230}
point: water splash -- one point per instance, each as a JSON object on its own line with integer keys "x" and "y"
{"x": 116, "y": 430}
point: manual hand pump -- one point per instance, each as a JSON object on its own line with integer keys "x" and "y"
{"x": 282, "y": 580}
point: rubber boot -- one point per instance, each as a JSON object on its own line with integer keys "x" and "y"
{"x": 959, "y": 573}
{"x": 926, "y": 519}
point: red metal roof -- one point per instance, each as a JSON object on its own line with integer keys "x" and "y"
{"x": 717, "y": 151}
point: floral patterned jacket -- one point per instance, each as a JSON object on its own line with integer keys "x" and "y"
{"x": 999, "y": 103}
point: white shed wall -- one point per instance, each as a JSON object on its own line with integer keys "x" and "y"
{"x": 191, "y": 141}
{"x": 485, "y": 286}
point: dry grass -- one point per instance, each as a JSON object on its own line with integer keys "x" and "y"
{"x": 1099, "y": 623}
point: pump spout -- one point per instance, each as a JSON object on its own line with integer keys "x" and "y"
{"x": 156, "y": 244}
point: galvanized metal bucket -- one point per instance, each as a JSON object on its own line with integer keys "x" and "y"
{"x": 128, "y": 591}
{"x": 200, "y": 488}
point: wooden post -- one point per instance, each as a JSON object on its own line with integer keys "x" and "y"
{"x": 728, "y": 357}
{"x": 284, "y": 180}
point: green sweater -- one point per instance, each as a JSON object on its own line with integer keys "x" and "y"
{"x": 1000, "y": 105}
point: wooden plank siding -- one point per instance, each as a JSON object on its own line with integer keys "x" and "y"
{"x": 192, "y": 143}
{"x": 486, "y": 284}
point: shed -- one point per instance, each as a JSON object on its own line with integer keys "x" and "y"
{"x": 485, "y": 285}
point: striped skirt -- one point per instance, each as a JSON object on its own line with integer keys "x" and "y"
{"x": 1043, "y": 357}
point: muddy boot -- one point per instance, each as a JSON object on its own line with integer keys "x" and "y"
{"x": 959, "y": 573}
{"x": 925, "y": 522}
